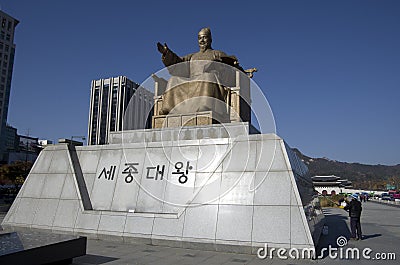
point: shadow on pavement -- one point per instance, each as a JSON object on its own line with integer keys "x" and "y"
{"x": 337, "y": 226}
{"x": 92, "y": 259}
{"x": 370, "y": 236}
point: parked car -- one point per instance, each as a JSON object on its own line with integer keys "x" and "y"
{"x": 386, "y": 197}
{"x": 396, "y": 196}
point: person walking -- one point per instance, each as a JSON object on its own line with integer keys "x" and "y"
{"x": 354, "y": 208}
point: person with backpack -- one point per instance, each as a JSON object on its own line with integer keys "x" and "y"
{"x": 354, "y": 208}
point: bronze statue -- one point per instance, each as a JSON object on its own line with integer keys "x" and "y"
{"x": 198, "y": 79}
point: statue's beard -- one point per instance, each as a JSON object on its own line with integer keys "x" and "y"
{"x": 204, "y": 47}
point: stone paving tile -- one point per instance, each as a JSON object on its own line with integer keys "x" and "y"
{"x": 184, "y": 256}
{"x": 237, "y": 259}
{"x": 144, "y": 260}
{"x": 292, "y": 262}
{"x": 257, "y": 261}
{"x": 190, "y": 259}
{"x": 160, "y": 253}
{"x": 218, "y": 258}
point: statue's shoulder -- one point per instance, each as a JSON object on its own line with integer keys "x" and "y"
{"x": 225, "y": 58}
{"x": 219, "y": 54}
{"x": 187, "y": 57}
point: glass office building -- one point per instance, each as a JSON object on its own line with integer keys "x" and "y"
{"x": 109, "y": 98}
{"x": 7, "y": 52}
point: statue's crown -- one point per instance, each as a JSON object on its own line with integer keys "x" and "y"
{"x": 206, "y": 31}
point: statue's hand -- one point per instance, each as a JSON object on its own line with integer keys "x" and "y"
{"x": 162, "y": 48}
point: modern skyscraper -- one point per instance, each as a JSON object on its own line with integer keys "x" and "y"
{"x": 109, "y": 98}
{"x": 7, "y": 52}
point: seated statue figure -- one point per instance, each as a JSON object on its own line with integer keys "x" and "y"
{"x": 200, "y": 83}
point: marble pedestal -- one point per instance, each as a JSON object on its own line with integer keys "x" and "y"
{"x": 239, "y": 191}
{"x": 179, "y": 120}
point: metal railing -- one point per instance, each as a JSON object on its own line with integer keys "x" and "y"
{"x": 379, "y": 200}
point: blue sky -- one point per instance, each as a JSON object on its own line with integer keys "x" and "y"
{"x": 329, "y": 69}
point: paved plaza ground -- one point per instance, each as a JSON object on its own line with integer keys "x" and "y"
{"x": 380, "y": 224}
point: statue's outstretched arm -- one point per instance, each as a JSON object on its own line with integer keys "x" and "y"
{"x": 168, "y": 57}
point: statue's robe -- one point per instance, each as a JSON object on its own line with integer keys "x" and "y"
{"x": 197, "y": 82}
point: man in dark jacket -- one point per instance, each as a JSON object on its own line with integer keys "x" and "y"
{"x": 354, "y": 208}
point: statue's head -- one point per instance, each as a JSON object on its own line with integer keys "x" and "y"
{"x": 204, "y": 38}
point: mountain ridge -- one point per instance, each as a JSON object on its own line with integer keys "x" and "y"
{"x": 363, "y": 176}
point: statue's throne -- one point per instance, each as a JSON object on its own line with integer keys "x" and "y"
{"x": 237, "y": 99}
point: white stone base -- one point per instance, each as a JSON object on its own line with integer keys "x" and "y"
{"x": 241, "y": 193}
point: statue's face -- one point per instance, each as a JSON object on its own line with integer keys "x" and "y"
{"x": 204, "y": 41}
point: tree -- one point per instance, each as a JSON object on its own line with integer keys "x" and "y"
{"x": 16, "y": 172}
